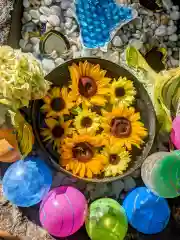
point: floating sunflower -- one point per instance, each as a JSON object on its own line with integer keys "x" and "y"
{"x": 80, "y": 155}
{"x": 118, "y": 159}
{"x": 124, "y": 127}
{"x": 87, "y": 122}
{"x": 57, "y": 102}
{"x": 89, "y": 84}
{"x": 56, "y": 130}
{"x": 122, "y": 92}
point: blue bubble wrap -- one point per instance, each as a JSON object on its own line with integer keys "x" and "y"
{"x": 98, "y": 19}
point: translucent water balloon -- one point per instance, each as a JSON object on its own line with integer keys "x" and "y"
{"x": 63, "y": 211}
{"x": 106, "y": 220}
{"x": 27, "y": 181}
{"x": 146, "y": 212}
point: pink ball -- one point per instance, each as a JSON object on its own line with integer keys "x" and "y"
{"x": 63, "y": 211}
{"x": 175, "y": 132}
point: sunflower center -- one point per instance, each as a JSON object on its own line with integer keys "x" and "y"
{"x": 87, "y": 87}
{"x": 114, "y": 159}
{"x": 120, "y": 92}
{"x": 57, "y": 104}
{"x": 86, "y": 122}
{"x": 120, "y": 127}
{"x": 83, "y": 151}
{"x": 57, "y": 131}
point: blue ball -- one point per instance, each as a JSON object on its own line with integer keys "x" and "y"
{"x": 146, "y": 212}
{"x": 27, "y": 181}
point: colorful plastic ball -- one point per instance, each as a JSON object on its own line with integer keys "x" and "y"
{"x": 175, "y": 132}
{"x": 106, "y": 220}
{"x": 146, "y": 212}
{"x": 63, "y": 211}
{"x": 27, "y": 181}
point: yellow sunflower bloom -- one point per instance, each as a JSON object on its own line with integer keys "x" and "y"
{"x": 57, "y": 102}
{"x": 122, "y": 92}
{"x": 79, "y": 154}
{"x": 89, "y": 84}
{"x": 118, "y": 159}
{"x": 87, "y": 122}
{"x": 124, "y": 127}
{"x": 56, "y": 130}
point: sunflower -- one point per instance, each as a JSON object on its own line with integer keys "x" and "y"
{"x": 122, "y": 92}
{"x": 56, "y": 130}
{"x": 118, "y": 159}
{"x": 80, "y": 155}
{"x": 89, "y": 84}
{"x": 57, "y": 102}
{"x": 124, "y": 127}
{"x": 87, "y": 122}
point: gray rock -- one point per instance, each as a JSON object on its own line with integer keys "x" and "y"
{"x": 34, "y": 40}
{"x": 65, "y": 4}
{"x": 171, "y": 29}
{"x": 176, "y": 55}
{"x": 173, "y": 38}
{"x": 47, "y": 2}
{"x": 59, "y": 61}
{"x": 117, "y": 42}
{"x": 26, "y": 3}
{"x": 54, "y": 20}
{"x": 169, "y": 52}
{"x": 69, "y": 13}
{"x": 27, "y": 16}
{"x": 55, "y": 10}
{"x": 175, "y": 15}
{"x": 174, "y": 62}
{"x": 171, "y": 23}
{"x": 43, "y": 18}
{"x": 34, "y": 14}
{"x": 28, "y": 48}
{"x": 76, "y": 54}
{"x": 161, "y": 31}
{"x": 144, "y": 38}
{"x": 136, "y": 43}
{"x": 153, "y": 26}
{"x": 175, "y": 8}
{"x": 101, "y": 190}
{"x": 124, "y": 38}
{"x": 45, "y": 10}
{"x": 22, "y": 43}
{"x": 68, "y": 23}
{"x": 136, "y": 174}
{"x": 48, "y": 65}
{"x": 129, "y": 183}
{"x": 117, "y": 188}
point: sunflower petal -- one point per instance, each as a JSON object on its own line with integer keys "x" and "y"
{"x": 98, "y": 100}
{"x": 51, "y": 122}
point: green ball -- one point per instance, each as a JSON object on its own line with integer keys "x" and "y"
{"x": 106, "y": 220}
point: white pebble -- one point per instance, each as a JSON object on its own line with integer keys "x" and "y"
{"x": 55, "y": 10}
{"x": 68, "y": 23}
{"x": 136, "y": 43}
{"x": 28, "y": 48}
{"x": 57, "y": 29}
{"x": 36, "y": 48}
{"x": 47, "y": 2}
{"x": 117, "y": 42}
{"x": 161, "y": 31}
{"x": 27, "y": 16}
{"x": 59, "y": 61}
{"x": 43, "y": 18}
{"x": 175, "y": 8}
{"x": 173, "y": 37}
{"x": 54, "y": 20}
{"x": 48, "y": 64}
{"x": 69, "y": 13}
{"x": 65, "y": 4}
{"x": 175, "y": 15}
{"x": 45, "y": 10}
{"x": 34, "y": 14}
{"x": 74, "y": 48}
{"x": 22, "y": 43}
{"x": 34, "y": 40}
{"x": 36, "y": 21}
{"x": 48, "y": 26}
{"x": 26, "y": 3}
{"x": 76, "y": 54}
{"x": 171, "y": 29}
{"x": 54, "y": 54}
